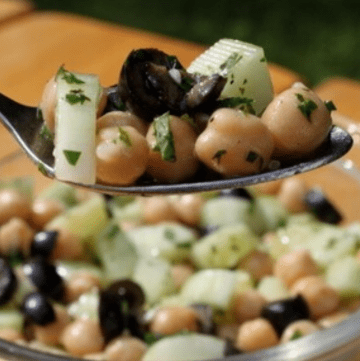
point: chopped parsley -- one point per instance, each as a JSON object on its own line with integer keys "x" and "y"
{"x": 329, "y": 105}
{"x": 164, "y": 137}
{"x": 262, "y": 60}
{"x": 218, "y": 155}
{"x": 243, "y": 103}
{"x": 297, "y": 334}
{"x": 125, "y": 137}
{"x": 306, "y": 106}
{"x": 42, "y": 169}
{"x": 331, "y": 243}
{"x": 72, "y": 156}
{"x": 45, "y": 133}
{"x": 186, "y": 83}
{"x": 231, "y": 61}
{"x": 169, "y": 234}
{"x": 76, "y": 96}
{"x": 252, "y": 157}
{"x": 113, "y": 231}
{"x": 70, "y": 78}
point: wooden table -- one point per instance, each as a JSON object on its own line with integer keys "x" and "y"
{"x": 34, "y": 44}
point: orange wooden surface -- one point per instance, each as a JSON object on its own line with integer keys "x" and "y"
{"x": 9, "y": 9}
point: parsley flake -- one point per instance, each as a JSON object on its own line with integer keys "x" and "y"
{"x": 329, "y": 105}
{"x": 186, "y": 83}
{"x": 70, "y": 78}
{"x": 113, "y": 231}
{"x": 243, "y": 103}
{"x": 164, "y": 137}
{"x": 45, "y": 133}
{"x": 218, "y": 155}
{"x": 231, "y": 61}
{"x": 252, "y": 157}
{"x": 306, "y": 106}
{"x": 125, "y": 137}
{"x": 72, "y": 156}
{"x": 297, "y": 334}
{"x": 76, "y": 96}
{"x": 42, "y": 169}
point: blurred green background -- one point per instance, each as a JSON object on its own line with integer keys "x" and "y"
{"x": 317, "y": 38}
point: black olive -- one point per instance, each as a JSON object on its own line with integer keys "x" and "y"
{"x": 114, "y": 102}
{"x": 119, "y": 309}
{"x": 230, "y": 349}
{"x": 237, "y": 192}
{"x": 45, "y": 278}
{"x": 43, "y": 243}
{"x": 283, "y": 312}
{"x": 204, "y": 231}
{"x": 38, "y": 309}
{"x": 8, "y": 282}
{"x": 206, "y": 318}
{"x": 321, "y": 207}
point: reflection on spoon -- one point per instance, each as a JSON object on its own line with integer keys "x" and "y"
{"x": 23, "y": 123}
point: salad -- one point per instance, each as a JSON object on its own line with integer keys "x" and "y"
{"x": 162, "y": 123}
{"x": 191, "y": 277}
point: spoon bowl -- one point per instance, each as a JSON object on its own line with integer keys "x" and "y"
{"x": 27, "y": 128}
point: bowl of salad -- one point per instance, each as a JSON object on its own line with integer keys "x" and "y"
{"x": 267, "y": 272}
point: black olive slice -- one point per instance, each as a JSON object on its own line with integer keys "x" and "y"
{"x": 206, "y": 318}
{"x": 43, "y": 243}
{"x": 8, "y": 282}
{"x": 321, "y": 207}
{"x": 38, "y": 309}
{"x": 284, "y": 312}
{"x": 45, "y": 278}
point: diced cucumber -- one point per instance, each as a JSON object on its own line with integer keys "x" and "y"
{"x": 75, "y": 127}
{"x": 169, "y": 240}
{"x": 272, "y": 288}
{"x": 11, "y": 319}
{"x": 344, "y": 276}
{"x": 186, "y": 347}
{"x": 225, "y": 247}
{"x": 62, "y": 192}
{"x": 131, "y": 211}
{"x": 245, "y": 67}
{"x": 223, "y": 211}
{"x": 266, "y": 214}
{"x": 116, "y": 252}
{"x": 214, "y": 287}
{"x": 86, "y": 306}
{"x": 154, "y": 276}
{"x": 332, "y": 243}
{"x": 85, "y": 220}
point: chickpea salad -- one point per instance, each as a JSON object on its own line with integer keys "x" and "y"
{"x": 162, "y": 123}
{"x": 180, "y": 278}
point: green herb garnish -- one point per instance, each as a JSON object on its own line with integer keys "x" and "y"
{"x": 76, "y": 96}
{"x": 70, "y": 78}
{"x": 307, "y": 106}
{"x": 184, "y": 245}
{"x": 125, "y": 137}
{"x": 244, "y": 104}
{"x": 72, "y": 156}
{"x": 331, "y": 243}
{"x": 113, "y": 231}
{"x": 45, "y": 133}
{"x": 164, "y": 137}
{"x": 169, "y": 234}
{"x": 231, "y": 61}
{"x": 186, "y": 83}
{"x": 262, "y": 60}
{"x": 42, "y": 169}
{"x": 297, "y": 334}
{"x": 252, "y": 157}
{"x": 218, "y": 155}
{"x": 329, "y": 105}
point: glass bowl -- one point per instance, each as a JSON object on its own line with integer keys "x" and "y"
{"x": 341, "y": 182}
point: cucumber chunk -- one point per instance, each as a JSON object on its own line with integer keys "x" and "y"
{"x": 189, "y": 347}
{"x": 273, "y": 289}
{"x": 87, "y": 306}
{"x": 245, "y": 67}
{"x": 11, "y": 319}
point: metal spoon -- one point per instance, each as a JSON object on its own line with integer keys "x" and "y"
{"x": 26, "y": 127}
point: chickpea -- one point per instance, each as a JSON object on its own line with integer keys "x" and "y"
{"x": 83, "y": 336}
{"x": 188, "y": 208}
{"x": 80, "y": 283}
{"x": 170, "y": 320}
{"x": 295, "y": 134}
{"x": 295, "y": 265}
{"x": 298, "y": 329}
{"x": 247, "y": 305}
{"x": 333, "y": 319}
{"x": 125, "y": 348}
{"x": 292, "y": 195}
{"x": 68, "y": 246}
{"x": 320, "y": 297}
{"x": 44, "y": 210}
{"x": 158, "y": 209}
{"x": 259, "y": 264}
{"x": 122, "y": 159}
{"x": 48, "y": 103}
{"x": 119, "y": 118}
{"x": 234, "y": 143}
{"x": 50, "y": 334}
{"x": 256, "y": 335}
{"x": 185, "y": 164}
{"x": 13, "y": 204}
{"x": 271, "y": 188}
{"x": 16, "y": 235}
{"x": 11, "y": 335}
{"x": 180, "y": 273}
